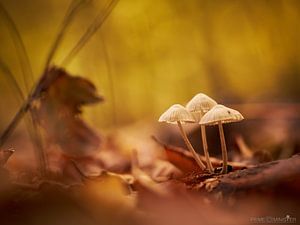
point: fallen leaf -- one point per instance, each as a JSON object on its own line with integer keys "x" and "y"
{"x": 184, "y": 160}
{"x": 5, "y": 155}
{"x": 59, "y": 111}
{"x": 162, "y": 170}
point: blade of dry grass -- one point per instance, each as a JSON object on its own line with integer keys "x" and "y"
{"x": 6, "y": 71}
{"x": 20, "y": 47}
{"x": 40, "y": 85}
{"x": 69, "y": 16}
{"x": 46, "y": 79}
{"x": 91, "y": 30}
{"x": 31, "y": 123}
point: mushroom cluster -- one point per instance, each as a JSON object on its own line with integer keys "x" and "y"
{"x": 205, "y": 111}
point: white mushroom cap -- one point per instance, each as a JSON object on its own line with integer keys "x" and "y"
{"x": 221, "y": 113}
{"x": 199, "y": 105}
{"x": 176, "y": 113}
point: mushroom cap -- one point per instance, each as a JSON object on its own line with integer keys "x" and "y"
{"x": 221, "y": 113}
{"x": 176, "y": 113}
{"x": 199, "y": 105}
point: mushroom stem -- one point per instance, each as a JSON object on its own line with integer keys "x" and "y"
{"x": 205, "y": 149}
{"x": 223, "y": 146}
{"x": 190, "y": 147}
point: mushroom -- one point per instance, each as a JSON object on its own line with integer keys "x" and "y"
{"x": 198, "y": 106}
{"x": 218, "y": 115}
{"x": 177, "y": 114}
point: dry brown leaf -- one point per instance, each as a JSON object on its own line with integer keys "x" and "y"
{"x": 143, "y": 181}
{"x": 162, "y": 170}
{"x": 184, "y": 160}
{"x": 5, "y": 155}
{"x": 59, "y": 109}
{"x": 247, "y": 154}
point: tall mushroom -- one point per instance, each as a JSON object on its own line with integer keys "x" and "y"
{"x": 177, "y": 114}
{"x": 198, "y": 106}
{"x": 218, "y": 115}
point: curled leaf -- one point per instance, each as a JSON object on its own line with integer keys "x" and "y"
{"x": 184, "y": 160}
{"x": 59, "y": 112}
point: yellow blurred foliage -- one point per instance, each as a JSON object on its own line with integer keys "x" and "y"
{"x": 150, "y": 54}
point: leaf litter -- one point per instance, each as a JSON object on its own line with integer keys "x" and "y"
{"x": 172, "y": 180}
{"x": 96, "y": 179}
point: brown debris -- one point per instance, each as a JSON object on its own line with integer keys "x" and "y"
{"x": 59, "y": 110}
{"x": 183, "y": 159}
{"x": 5, "y": 155}
{"x": 282, "y": 176}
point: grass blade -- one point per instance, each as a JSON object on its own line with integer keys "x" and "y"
{"x": 95, "y": 25}
{"x": 5, "y": 70}
{"x": 31, "y": 124}
{"x": 74, "y": 6}
{"x": 70, "y": 14}
{"x": 20, "y": 47}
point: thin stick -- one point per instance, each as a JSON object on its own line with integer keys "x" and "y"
{"x": 190, "y": 147}
{"x": 205, "y": 149}
{"x": 223, "y": 146}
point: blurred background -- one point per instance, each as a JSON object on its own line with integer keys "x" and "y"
{"x": 150, "y": 54}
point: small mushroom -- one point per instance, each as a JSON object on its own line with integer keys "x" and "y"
{"x": 218, "y": 115}
{"x": 198, "y": 106}
{"x": 177, "y": 114}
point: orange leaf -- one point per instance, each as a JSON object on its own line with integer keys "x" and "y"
{"x": 184, "y": 160}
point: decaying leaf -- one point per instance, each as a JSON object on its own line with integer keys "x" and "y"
{"x": 5, "y": 155}
{"x": 211, "y": 183}
{"x": 162, "y": 170}
{"x": 183, "y": 159}
{"x": 114, "y": 161}
{"x": 247, "y": 154}
{"x": 59, "y": 110}
{"x": 143, "y": 180}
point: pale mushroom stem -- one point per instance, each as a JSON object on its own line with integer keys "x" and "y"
{"x": 205, "y": 149}
{"x": 223, "y": 146}
{"x": 190, "y": 147}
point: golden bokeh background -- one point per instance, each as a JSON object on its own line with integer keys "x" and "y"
{"x": 150, "y": 54}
